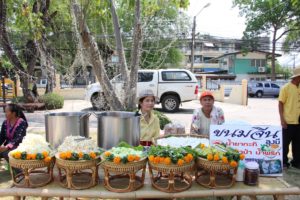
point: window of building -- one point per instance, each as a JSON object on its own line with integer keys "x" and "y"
{"x": 258, "y": 62}
{"x": 175, "y": 76}
{"x": 197, "y": 59}
{"x": 253, "y": 63}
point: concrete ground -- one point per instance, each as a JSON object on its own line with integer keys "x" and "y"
{"x": 258, "y": 112}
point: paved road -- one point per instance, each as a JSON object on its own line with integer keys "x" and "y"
{"x": 258, "y": 112}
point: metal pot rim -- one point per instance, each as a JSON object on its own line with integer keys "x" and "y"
{"x": 67, "y": 114}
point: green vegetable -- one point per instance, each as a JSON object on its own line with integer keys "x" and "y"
{"x": 74, "y": 156}
{"x": 163, "y": 119}
{"x": 23, "y": 155}
{"x": 86, "y": 157}
{"x": 126, "y": 145}
{"x": 110, "y": 157}
{"x": 124, "y": 160}
{"x": 39, "y": 156}
{"x": 173, "y": 153}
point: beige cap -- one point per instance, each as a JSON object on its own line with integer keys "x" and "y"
{"x": 296, "y": 72}
{"x": 146, "y": 93}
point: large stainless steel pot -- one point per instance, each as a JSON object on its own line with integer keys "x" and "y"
{"x": 114, "y": 127}
{"x": 60, "y": 125}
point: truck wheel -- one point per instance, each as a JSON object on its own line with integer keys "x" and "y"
{"x": 170, "y": 103}
{"x": 259, "y": 94}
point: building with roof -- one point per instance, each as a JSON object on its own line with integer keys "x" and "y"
{"x": 207, "y": 48}
{"x": 251, "y": 65}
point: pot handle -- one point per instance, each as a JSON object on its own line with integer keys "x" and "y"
{"x": 94, "y": 113}
{"x": 85, "y": 114}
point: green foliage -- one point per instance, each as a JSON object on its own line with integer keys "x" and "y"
{"x": 18, "y": 100}
{"x": 163, "y": 119}
{"x": 126, "y": 145}
{"x": 292, "y": 41}
{"x": 52, "y": 101}
{"x": 280, "y": 70}
{"x": 264, "y": 15}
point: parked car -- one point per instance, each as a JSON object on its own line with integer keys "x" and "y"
{"x": 266, "y": 88}
{"x": 172, "y": 87}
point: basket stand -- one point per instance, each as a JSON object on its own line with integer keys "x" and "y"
{"x": 134, "y": 172}
{"x": 77, "y": 175}
{"x": 32, "y": 173}
{"x": 170, "y": 176}
{"x": 135, "y": 182}
{"x": 207, "y": 178}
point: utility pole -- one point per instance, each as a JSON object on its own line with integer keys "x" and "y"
{"x": 193, "y": 37}
{"x": 193, "y": 44}
{"x": 294, "y": 65}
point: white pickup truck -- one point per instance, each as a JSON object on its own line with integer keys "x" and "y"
{"x": 172, "y": 87}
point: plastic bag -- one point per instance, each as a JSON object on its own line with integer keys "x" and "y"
{"x": 174, "y": 129}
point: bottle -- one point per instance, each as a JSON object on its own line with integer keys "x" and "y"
{"x": 240, "y": 171}
{"x": 251, "y": 173}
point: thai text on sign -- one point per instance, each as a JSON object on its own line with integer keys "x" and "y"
{"x": 262, "y": 144}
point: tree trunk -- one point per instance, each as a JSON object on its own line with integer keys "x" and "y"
{"x": 13, "y": 58}
{"x": 135, "y": 58}
{"x": 46, "y": 62}
{"x": 45, "y": 55}
{"x": 95, "y": 58}
{"x": 273, "y": 73}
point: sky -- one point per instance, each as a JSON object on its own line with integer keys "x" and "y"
{"x": 221, "y": 19}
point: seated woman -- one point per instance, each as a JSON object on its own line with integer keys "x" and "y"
{"x": 13, "y": 130}
{"x": 149, "y": 121}
{"x": 207, "y": 115}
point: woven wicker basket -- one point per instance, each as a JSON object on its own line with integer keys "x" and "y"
{"x": 154, "y": 140}
{"x": 167, "y": 175}
{"x": 208, "y": 172}
{"x": 122, "y": 171}
{"x": 31, "y": 173}
{"x": 78, "y": 175}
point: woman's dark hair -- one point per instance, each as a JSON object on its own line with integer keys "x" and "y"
{"x": 140, "y": 101}
{"x": 16, "y": 109}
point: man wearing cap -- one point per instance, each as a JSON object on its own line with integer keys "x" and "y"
{"x": 289, "y": 111}
{"x": 207, "y": 115}
{"x": 149, "y": 123}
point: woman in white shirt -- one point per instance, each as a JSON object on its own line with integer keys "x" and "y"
{"x": 206, "y": 115}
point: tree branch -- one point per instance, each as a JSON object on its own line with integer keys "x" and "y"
{"x": 285, "y": 32}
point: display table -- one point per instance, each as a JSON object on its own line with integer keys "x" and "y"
{"x": 268, "y": 186}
